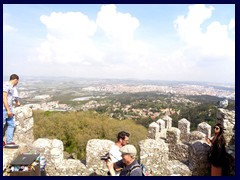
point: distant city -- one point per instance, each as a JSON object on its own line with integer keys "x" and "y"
{"x": 66, "y": 94}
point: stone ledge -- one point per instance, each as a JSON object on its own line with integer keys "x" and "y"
{"x": 10, "y": 154}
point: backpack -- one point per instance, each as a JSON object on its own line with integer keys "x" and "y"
{"x": 143, "y": 168}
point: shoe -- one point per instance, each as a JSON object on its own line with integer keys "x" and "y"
{"x": 11, "y": 145}
{"x": 4, "y": 143}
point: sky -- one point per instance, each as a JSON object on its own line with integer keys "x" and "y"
{"x": 171, "y": 42}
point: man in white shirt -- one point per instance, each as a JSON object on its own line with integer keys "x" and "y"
{"x": 114, "y": 153}
{"x": 10, "y": 94}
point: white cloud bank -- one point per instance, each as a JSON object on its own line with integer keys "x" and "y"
{"x": 106, "y": 47}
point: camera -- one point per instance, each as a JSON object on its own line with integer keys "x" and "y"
{"x": 105, "y": 157}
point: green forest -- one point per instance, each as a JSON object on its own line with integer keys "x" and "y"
{"x": 76, "y": 128}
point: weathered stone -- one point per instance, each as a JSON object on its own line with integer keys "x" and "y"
{"x": 204, "y": 128}
{"x": 178, "y": 152}
{"x": 168, "y": 156}
{"x": 10, "y": 154}
{"x": 196, "y": 135}
{"x": 24, "y": 126}
{"x": 178, "y": 168}
{"x": 96, "y": 148}
{"x": 153, "y": 131}
{"x": 173, "y": 135}
{"x": 184, "y": 126}
{"x": 168, "y": 121}
{"x": 154, "y": 155}
{"x": 198, "y": 162}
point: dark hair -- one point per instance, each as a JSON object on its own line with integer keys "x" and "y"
{"x": 221, "y": 127}
{"x": 220, "y": 137}
{"x": 122, "y": 135}
{"x": 14, "y": 76}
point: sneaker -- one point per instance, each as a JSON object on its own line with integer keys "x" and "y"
{"x": 11, "y": 145}
{"x": 4, "y": 143}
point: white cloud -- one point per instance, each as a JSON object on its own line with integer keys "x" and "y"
{"x": 115, "y": 24}
{"x": 214, "y": 42}
{"x": 203, "y": 47}
{"x": 108, "y": 46}
{"x": 73, "y": 38}
{"x": 188, "y": 27}
{"x": 69, "y": 39}
{"x": 6, "y": 27}
{"x": 231, "y": 25}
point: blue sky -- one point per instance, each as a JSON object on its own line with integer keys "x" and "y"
{"x": 183, "y": 42}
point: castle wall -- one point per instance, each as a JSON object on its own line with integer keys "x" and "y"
{"x": 168, "y": 151}
{"x": 154, "y": 155}
{"x": 184, "y": 126}
{"x": 198, "y": 162}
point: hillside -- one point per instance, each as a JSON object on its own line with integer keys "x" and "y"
{"x": 75, "y": 129}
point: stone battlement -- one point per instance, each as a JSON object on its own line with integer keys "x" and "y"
{"x": 168, "y": 151}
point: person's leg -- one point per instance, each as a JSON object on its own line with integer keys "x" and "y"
{"x": 4, "y": 117}
{"x": 10, "y": 129}
{"x": 4, "y": 122}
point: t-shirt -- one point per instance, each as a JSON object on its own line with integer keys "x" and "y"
{"x": 115, "y": 155}
{"x": 12, "y": 93}
{"x": 126, "y": 169}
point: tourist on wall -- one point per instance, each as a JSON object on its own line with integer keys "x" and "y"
{"x": 129, "y": 165}
{"x": 217, "y": 154}
{"x": 10, "y": 95}
{"x": 114, "y": 152}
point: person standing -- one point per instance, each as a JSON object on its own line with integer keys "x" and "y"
{"x": 114, "y": 152}
{"x": 128, "y": 165}
{"x": 217, "y": 156}
{"x": 10, "y": 94}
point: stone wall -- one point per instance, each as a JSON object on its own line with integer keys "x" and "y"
{"x": 52, "y": 150}
{"x": 23, "y": 135}
{"x": 227, "y": 118}
{"x": 191, "y": 147}
{"x": 24, "y": 125}
{"x": 168, "y": 151}
{"x": 96, "y": 148}
{"x": 198, "y": 162}
{"x": 154, "y": 155}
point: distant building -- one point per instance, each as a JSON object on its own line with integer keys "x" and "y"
{"x": 223, "y": 104}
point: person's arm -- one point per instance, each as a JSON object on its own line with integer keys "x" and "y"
{"x": 17, "y": 102}
{"x": 208, "y": 140}
{"x": 116, "y": 168}
{"x": 5, "y": 103}
{"x": 110, "y": 166}
{"x": 16, "y": 98}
